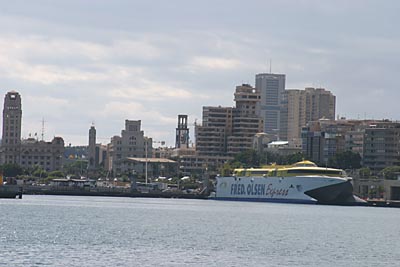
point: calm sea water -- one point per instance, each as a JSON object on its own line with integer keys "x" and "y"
{"x": 101, "y": 231}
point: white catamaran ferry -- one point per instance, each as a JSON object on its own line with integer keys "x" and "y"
{"x": 303, "y": 182}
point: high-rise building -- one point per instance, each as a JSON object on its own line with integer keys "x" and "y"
{"x": 246, "y": 122}
{"x": 302, "y": 106}
{"x": 211, "y": 136}
{"x": 271, "y": 87}
{"x": 12, "y": 118}
{"x": 321, "y": 103}
{"x": 293, "y": 115}
{"x": 31, "y": 151}
{"x": 92, "y": 148}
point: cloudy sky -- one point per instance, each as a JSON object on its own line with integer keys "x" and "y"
{"x": 76, "y": 62}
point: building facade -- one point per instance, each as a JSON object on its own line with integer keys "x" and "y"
{"x": 320, "y": 103}
{"x": 30, "y": 152}
{"x": 48, "y": 155}
{"x": 246, "y": 122}
{"x": 132, "y": 143}
{"x": 382, "y": 145}
{"x": 93, "y": 157}
{"x": 271, "y": 87}
{"x": 182, "y": 132}
{"x": 375, "y": 141}
{"x": 293, "y": 115}
{"x": 211, "y": 136}
{"x": 302, "y": 106}
{"x": 12, "y": 121}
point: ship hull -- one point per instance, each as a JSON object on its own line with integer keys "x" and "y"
{"x": 294, "y": 189}
{"x": 10, "y": 191}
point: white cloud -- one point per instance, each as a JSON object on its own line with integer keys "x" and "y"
{"x": 213, "y": 63}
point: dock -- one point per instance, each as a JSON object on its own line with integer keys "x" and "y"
{"x": 383, "y": 203}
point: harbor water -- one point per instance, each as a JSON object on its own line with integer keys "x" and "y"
{"x": 107, "y": 231}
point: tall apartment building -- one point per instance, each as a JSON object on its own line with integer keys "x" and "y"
{"x": 271, "y": 87}
{"x": 293, "y": 115}
{"x": 131, "y": 143}
{"x": 12, "y": 120}
{"x": 211, "y": 136}
{"x": 302, "y": 106}
{"x": 29, "y": 152}
{"x": 246, "y": 122}
{"x": 382, "y": 145}
{"x": 320, "y": 104}
{"x": 227, "y": 131}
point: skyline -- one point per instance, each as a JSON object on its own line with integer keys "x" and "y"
{"x": 75, "y": 63}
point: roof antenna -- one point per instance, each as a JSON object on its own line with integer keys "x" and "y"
{"x": 43, "y": 121}
{"x": 270, "y": 66}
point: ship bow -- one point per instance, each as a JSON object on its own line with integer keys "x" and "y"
{"x": 337, "y": 194}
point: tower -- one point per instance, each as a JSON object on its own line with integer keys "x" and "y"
{"x": 92, "y": 148}
{"x": 271, "y": 87}
{"x": 182, "y": 132}
{"x": 12, "y": 117}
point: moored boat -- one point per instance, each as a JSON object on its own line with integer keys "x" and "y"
{"x": 303, "y": 182}
{"x": 9, "y": 190}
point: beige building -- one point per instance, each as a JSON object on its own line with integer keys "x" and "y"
{"x": 48, "y": 155}
{"x": 131, "y": 144}
{"x": 246, "y": 121}
{"x": 302, "y": 106}
{"x": 30, "y": 152}
{"x": 320, "y": 103}
{"x": 211, "y": 136}
{"x": 227, "y": 131}
{"x": 12, "y": 120}
{"x": 293, "y": 115}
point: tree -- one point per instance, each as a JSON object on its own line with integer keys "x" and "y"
{"x": 248, "y": 158}
{"x": 296, "y": 157}
{"x": 345, "y": 160}
{"x": 77, "y": 167}
{"x": 39, "y": 172}
{"x": 391, "y": 173}
{"x": 365, "y": 172}
{"x": 12, "y": 170}
{"x": 56, "y": 174}
{"x": 227, "y": 168}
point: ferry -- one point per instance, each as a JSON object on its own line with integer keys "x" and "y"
{"x": 302, "y": 182}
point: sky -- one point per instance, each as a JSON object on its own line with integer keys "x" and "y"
{"x": 83, "y": 62}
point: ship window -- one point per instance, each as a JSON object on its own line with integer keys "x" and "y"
{"x": 338, "y": 172}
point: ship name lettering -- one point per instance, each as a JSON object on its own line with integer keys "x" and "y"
{"x": 256, "y": 189}
{"x": 272, "y": 191}
{"x": 238, "y": 189}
